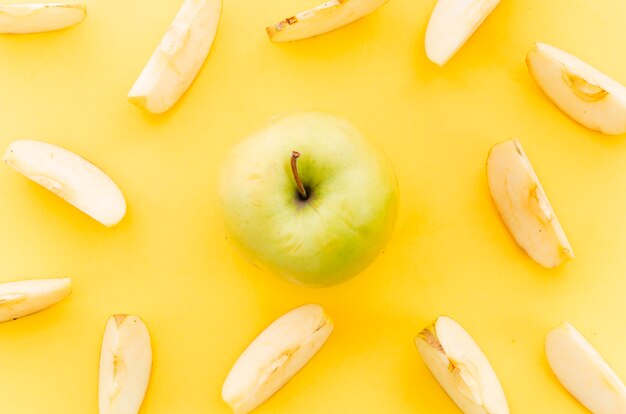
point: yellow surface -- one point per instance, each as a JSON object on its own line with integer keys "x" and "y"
{"x": 169, "y": 261}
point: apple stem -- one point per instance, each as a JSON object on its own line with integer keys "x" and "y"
{"x": 294, "y": 169}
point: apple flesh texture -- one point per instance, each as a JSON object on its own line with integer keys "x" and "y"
{"x": 342, "y": 225}
{"x": 524, "y": 206}
{"x": 583, "y": 371}
{"x": 125, "y": 365}
{"x": 451, "y": 25}
{"x": 40, "y": 17}
{"x": 179, "y": 57}
{"x": 69, "y": 176}
{"x": 461, "y": 368}
{"x": 328, "y": 16}
{"x": 25, "y": 297}
{"x": 275, "y": 356}
{"x": 581, "y": 91}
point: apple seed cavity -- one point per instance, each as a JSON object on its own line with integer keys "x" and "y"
{"x": 584, "y": 90}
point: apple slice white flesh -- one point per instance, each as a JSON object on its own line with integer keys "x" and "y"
{"x": 125, "y": 365}
{"x": 70, "y": 177}
{"x": 40, "y": 17}
{"x": 24, "y": 297}
{"x": 452, "y": 23}
{"x": 177, "y": 60}
{"x": 524, "y": 206}
{"x": 322, "y": 19}
{"x": 461, "y": 368}
{"x": 275, "y": 356}
{"x": 583, "y": 372}
{"x": 581, "y": 91}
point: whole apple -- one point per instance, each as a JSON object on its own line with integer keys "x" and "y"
{"x": 309, "y": 198}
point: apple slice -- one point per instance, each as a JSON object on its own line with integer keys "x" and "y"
{"x": 275, "y": 356}
{"x": 452, "y": 23}
{"x": 583, "y": 372}
{"x": 524, "y": 206}
{"x": 581, "y": 91}
{"x": 461, "y": 368}
{"x": 22, "y": 298}
{"x": 69, "y": 176}
{"x": 40, "y": 17}
{"x": 322, "y": 19}
{"x": 179, "y": 57}
{"x": 125, "y": 365}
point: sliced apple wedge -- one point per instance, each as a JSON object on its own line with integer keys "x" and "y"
{"x": 275, "y": 356}
{"x": 322, "y": 19}
{"x": 581, "y": 91}
{"x": 69, "y": 176}
{"x": 22, "y": 298}
{"x": 461, "y": 368}
{"x": 452, "y": 23}
{"x": 40, "y": 17}
{"x": 524, "y": 206}
{"x": 125, "y": 365}
{"x": 583, "y": 372}
{"x": 179, "y": 57}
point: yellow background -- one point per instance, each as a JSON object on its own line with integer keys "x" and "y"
{"x": 169, "y": 261}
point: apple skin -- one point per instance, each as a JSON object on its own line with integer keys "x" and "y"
{"x": 346, "y": 220}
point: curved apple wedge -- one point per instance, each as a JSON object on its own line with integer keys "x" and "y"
{"x": 125, "y": 365}
{"x": 177, "y": 60}
{"x": 22, "y": 298}
{"x": 452, "y": 23}
{"x": 461, "y": 368}
{"x": 40, "y": 17}
{"x": 524, "y": 206}
{"x": 322, "y": 19}
{"x": 583, "y": 372}
{"x": 275, "y": 356}
{"x": 581, "y": 91}
{"x": 69, "y": 176}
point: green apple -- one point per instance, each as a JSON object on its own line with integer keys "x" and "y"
{"x": 309, "y": 198}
